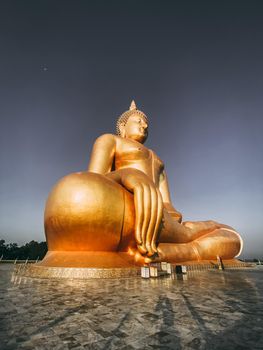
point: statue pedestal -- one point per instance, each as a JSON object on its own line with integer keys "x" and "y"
{"x": 87, "y": 265}
{"x": 84, "y": 264}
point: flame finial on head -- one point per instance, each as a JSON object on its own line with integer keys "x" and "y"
{"x": 133, "y": 106}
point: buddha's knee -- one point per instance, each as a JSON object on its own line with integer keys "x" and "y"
{"x": 223, "y": 242}
{"x": 85, "y": 211}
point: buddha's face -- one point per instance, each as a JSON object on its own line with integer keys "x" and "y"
{"x": 136, "y": 128}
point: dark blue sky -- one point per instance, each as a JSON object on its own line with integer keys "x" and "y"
{"x": 69, "y": 68}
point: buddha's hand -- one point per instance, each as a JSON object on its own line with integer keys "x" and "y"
{"x": 148, "y": 207}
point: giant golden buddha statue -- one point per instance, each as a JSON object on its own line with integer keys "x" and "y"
{"x": 119, "y": 213}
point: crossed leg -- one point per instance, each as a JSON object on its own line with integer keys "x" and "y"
{"x": 201, "y": 240}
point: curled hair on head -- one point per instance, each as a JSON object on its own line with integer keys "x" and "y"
{"x": 122, "y": 120}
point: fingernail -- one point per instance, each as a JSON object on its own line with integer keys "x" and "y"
{"x": 154, "y": 247}
{"x": 142, "y": 249}
{"x": 149, "y": 249}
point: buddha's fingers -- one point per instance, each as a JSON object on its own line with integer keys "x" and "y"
{"x": 138, "y": 203}
{"x": 158, "y": 221}
{"x": 153, "y": 218}
{"x": 147, "y": 214}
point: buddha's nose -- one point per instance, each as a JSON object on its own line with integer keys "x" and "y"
{"x": 145, "y": 125}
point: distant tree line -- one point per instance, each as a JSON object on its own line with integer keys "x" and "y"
{"x": 32, "y": 250}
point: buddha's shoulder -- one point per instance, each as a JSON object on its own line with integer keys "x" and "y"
{"x": 113, "y": 138}
{"x": 106, "y": 138}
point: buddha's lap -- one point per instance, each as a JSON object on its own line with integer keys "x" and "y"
{"x": 88, "y": 211}
{"x": 85, "y": 210}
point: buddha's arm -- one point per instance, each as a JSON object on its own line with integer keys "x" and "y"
{"x": 102, "y": 154}
{"x": 164, "y": 189}
{"x": 147, "y": 198}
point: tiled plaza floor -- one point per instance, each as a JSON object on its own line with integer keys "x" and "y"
{"x": 210, "y": 310}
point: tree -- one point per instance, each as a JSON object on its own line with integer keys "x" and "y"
{"x": 32, "y": 250}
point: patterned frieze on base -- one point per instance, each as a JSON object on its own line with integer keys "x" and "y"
{"x": 71, "y": 272}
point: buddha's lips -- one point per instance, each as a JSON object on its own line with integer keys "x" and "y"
{"x": 143, "y": 131}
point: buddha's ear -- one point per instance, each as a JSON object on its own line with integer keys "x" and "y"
{"x": 122, "y": 129}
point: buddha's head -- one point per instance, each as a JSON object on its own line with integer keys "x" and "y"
{"x": 133, "y": 124}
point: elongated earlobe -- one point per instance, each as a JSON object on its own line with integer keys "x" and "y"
{"x": 122, "y": 130}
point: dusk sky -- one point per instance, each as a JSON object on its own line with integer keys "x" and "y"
{"x": 70, "y": 68}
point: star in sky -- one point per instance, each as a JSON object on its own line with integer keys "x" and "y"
{"x": 44, "y": 67}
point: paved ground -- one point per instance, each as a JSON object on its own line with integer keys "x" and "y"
{"x": 210, "y": 310}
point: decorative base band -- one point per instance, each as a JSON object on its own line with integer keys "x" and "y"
{"x": 35, "y": 271}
